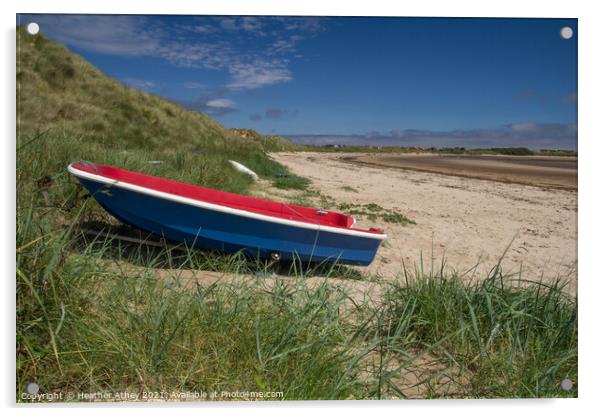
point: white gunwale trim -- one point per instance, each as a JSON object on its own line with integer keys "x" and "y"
{"x": 221, "y": 208}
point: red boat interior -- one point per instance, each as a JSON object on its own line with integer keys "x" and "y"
{"x": 227, "y": 199}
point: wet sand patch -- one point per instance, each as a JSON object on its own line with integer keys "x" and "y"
{"x": 543, "y": 171}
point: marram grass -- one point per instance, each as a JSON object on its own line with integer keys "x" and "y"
{"x": 90, "y": 321}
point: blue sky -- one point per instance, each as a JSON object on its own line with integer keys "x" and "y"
{"x": 385, "y": 81}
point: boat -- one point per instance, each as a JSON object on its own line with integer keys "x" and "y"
{"x": 210, "y": 219}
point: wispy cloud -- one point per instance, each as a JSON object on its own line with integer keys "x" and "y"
{"x": 229, "y": 24}
{"x": 524, "y": 127}
{"x": 144, "y": 84}
{"x": 304, "y": 24}
{"x": 258, "y": 74}
{"x": 283, "y": 45}
{"x": 114, "y": 35}
{"x": 204, "y": 29}
{"x": 531, "y": 135}
{"x": 212, "y": 106}
{"x": 220, "y": 103}
{"x": 255, "y": 51}
{"x": 252, "y": 24}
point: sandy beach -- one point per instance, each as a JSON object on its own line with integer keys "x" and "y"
{"x": 542, "y": 171}
{"x": 466, "y": 221}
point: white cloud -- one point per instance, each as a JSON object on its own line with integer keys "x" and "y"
{"x": 205, "y": 29}
{"x": 524, "y": 127}
{"x": 283, "y": 45}
{"x": 229, "y": 24}
{"x": 198, "y": 55}
{"x": 249, "y": 68}
{"x": 305, "y": 24}
{"x": 213, "y": 106}
{"x": 252, "y": 24}
{"x": 258, "y": 74}
{"x": 116, "y": 35}
{"x": 532, "y": 135}
{"x": 144, "y": 84}
{"x": 220, "y": 103}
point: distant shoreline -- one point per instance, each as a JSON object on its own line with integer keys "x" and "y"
{"x": 508, "y": 151}
{"x": 557, "y": 172}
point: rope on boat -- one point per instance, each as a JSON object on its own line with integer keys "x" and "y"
{"x": 312, "y": 221}
{"x": 315, "y": 243}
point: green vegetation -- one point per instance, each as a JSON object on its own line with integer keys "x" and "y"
{"x": 91, "y": 317}
{"x": 495, "y": 338}
{"x": 291, "y": 181}
{"x": 267, "y": 143}
{"x": 103, "y": 315}
{"x": 374, "y": 211}
{"x": 84, "y": 324}
{"x": 59, "y": 91}
{"x": 557, "y": 152}
{"x": 512, "y": 151}
{"x": 311, "y": 197}
{"x": 452, "y": 150}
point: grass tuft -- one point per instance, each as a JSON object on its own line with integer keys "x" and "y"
{"x": 291, "y": 181}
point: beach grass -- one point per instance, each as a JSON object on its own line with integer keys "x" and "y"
{"x": 85, "y": 327}
{"x": 92, "y": 321}
{"x": 291, "y": 181}
{"x": 95, "y": 317}
{"x": 496, "y": 337}
{"x": 374, "y": 212}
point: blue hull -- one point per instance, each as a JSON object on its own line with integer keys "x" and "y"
{"x": 214, "y": 230}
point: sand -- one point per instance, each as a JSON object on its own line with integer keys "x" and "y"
{"x": 543, "y": 171}
{"x": 468, "y": 222}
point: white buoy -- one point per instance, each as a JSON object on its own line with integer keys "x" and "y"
{"x": 242, "y": 168}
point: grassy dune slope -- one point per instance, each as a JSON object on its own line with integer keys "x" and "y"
{"x": 59, "y": 90}
{"x": 81, "y": 113}
{"x": 267, "y": 143}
